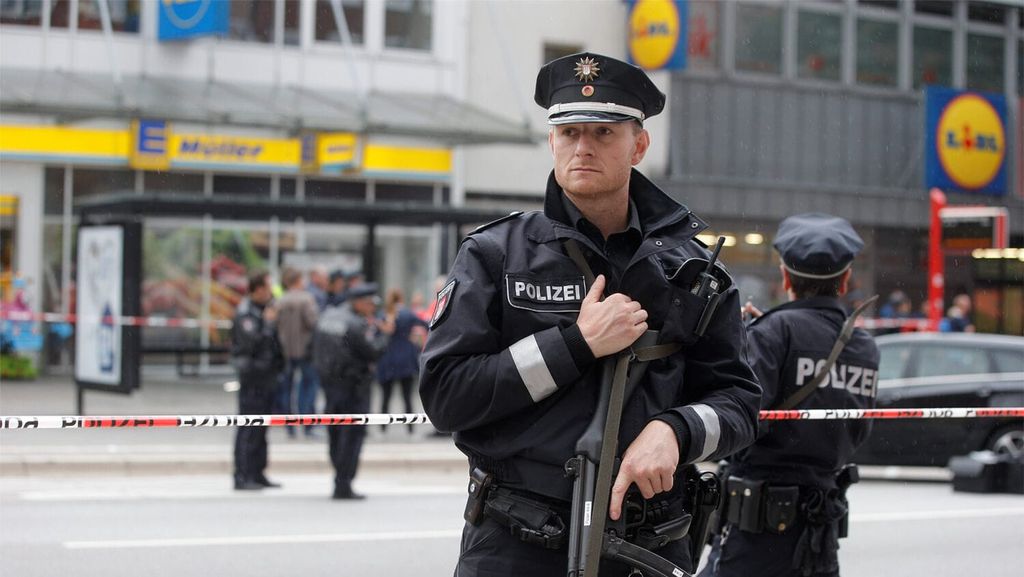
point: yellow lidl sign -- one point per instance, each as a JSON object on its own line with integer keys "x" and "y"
{"x": 966, "y": 148}
{"x": 657, "y": 34}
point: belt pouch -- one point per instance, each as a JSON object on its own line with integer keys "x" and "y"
{"x": 479, "y": 487}
{"x": 780, "y": 508}
{"x": 744, "y": 508}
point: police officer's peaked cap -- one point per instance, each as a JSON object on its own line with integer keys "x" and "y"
{"x": 589, "y": 87}
{"x": 817, "y": 245}
{"x": 336, "y": 274}
{"x": 369, "y": 289}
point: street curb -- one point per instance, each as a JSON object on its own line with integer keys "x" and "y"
{"x": 219, "y": 460}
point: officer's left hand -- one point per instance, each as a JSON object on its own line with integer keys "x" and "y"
{"x": 650, "y": 462}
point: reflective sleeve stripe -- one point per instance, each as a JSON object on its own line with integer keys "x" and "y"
{"x": 532, "y": 368}
{"x": 712, "y": 429}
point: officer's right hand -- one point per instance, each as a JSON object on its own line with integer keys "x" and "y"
{"x": 749, "y": 309}
{"x": 612, "y": 324}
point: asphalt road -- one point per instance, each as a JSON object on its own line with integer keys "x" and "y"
{"x": 410, "y": 525}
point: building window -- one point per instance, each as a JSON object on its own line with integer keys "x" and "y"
{"x": 88, "y": 181}
{"x": 933, "y": 57}
{"x": 353, "y": 11}
{"x": 819, "y": 37}
{"x": 703, "y": 34}
{"x": 291, "y": 22}
{"x": 124, "y": 15}
{"x": 985, "y": 62}
{"x": 555, "y": 51}
{"x": 24, "y": 12}
{"x": 407, "y": 24}
{"x": 53, "y": 190}
{"x": 387, "y": 192}
{"x": 241, "y": 185}
{"x": 877, "y": 53}
{"x": 987, "y": 12}
{"x": 252, "y": 21}
{"x": 335, "y": 190}
{"x": 939, "y": 7}
{"x": 190, "y": 183}
{"x": 1020, "y": 68}
{"x": 884, "y": 4}
{"x": 759, "y": 38}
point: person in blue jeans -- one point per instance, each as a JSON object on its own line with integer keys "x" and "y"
{"x": 297, "y": 316}
{"x": 401, "y": 360}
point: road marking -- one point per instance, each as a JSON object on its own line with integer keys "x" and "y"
{"x": 71, "y": 495}
{"x": 935, "y": 515}
{"x": 266, "y": 540}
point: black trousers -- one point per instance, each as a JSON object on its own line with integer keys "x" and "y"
{"x": 488, "y": 550}
{"x": 345, "y": 442}
{"x": 741, "y": 553}
{"x": 255, "y": 397}
{"x": 385, "y": 395}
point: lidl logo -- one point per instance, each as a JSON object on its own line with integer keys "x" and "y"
{"x": 657, "y": 34}
{"x": 966, "y": 141}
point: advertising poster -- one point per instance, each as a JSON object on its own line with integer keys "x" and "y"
{"x": 100, "y": 282}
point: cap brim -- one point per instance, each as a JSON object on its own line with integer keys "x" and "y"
{"x": 578, "y": 117}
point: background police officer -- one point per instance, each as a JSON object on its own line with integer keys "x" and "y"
{"x": 348, "y": 339}
{"x": 783, "y": 512}
{"x": 257, "y": 358}
{"x": 511, "y": 361}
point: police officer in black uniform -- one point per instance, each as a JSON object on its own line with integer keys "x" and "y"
{"x": 257, "y": 357}
{"x": 347, "y": 341}
{"x": 785, "y": 495}
{"x": 512, "y": 363}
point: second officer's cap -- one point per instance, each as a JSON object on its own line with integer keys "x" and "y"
{"x": 818, "y": 246}
{"x": 369, "y": 289}
{"x": 588, "y": 87}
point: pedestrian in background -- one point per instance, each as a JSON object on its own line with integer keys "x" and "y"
{"x": 297, "y": 316}
{"x": 347, "y": 341}
{"x": 958, "y": 317}
{"x": 317, "y": 286}
{"x": 257, "y": 357}
{"x": 785, "y": 504}
{"x": 335, "y": 288}
{"x": 401, "y": 360}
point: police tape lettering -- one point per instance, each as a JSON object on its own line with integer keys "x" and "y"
{"x": 187, "y": 421}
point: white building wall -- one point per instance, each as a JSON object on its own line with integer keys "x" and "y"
{"x": 505, "y": 84}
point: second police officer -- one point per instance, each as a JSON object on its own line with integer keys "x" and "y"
{"x": 785, "y": 495}
{"x": 512, "y": 363}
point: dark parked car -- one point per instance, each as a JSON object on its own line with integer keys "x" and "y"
{"x": 946, "y": 370}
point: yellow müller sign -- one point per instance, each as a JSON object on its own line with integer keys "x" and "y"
{"x": 152, "y": 145}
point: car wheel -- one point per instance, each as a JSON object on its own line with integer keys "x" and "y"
{"x": 1008, "y": 441}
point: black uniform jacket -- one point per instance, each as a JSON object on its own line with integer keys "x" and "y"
{"x": 497, "y": 368}
{"x": 255, "y": 352}
{"x": 787, "y": 346}
{"x": 345, "y": 347}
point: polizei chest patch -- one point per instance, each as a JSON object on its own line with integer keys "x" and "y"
{"x": 559, "y": 295}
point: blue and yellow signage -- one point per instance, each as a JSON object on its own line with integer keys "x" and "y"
{"x": 149, "y": 145}
{"x": 183, "y": 19}
{"x": 153, "y": 145}
{"x": 965, "y": 146}
{"x": 657, "y": 34}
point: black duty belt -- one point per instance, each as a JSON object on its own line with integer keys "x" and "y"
{"x": 527, "y": 518}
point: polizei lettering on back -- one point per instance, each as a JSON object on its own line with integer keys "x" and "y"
{"x": 554, "y": 295}
{"x": 855, "y": 379}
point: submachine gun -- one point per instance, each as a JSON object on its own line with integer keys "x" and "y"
{"x": 632, "y": 539}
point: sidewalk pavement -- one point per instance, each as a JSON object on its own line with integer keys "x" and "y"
{"x": 163, "y": 451}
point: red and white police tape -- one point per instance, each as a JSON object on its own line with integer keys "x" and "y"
{"x": 138, "y": 321}
{"x": 188, "y": 421}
